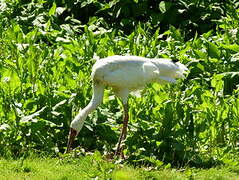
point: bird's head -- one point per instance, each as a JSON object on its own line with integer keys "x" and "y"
{"x": 75, "y": 128}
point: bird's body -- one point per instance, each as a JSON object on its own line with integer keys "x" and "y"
{"x": 125, "y": 74}
{"x": 133, "y": 72}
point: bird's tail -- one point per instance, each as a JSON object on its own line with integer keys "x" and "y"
{"x": 170, "y": 71}
{"x": 181, "y": 70}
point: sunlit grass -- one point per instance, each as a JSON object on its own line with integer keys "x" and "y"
{"x": 94, "y": 167}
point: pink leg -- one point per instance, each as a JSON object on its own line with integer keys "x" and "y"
{"x": 123, "y": 134}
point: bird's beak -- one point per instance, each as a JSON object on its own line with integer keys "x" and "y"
{"x": 71, "y": 138}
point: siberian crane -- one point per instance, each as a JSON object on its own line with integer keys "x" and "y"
{"x": 124, "y": 74}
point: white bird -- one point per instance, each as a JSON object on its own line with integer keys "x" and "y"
{"x": 124, "y": 74}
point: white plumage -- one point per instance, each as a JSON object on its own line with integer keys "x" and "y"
{"x": 125, "y": 74}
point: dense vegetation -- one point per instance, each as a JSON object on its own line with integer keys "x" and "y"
{"x": 48, "y": 48}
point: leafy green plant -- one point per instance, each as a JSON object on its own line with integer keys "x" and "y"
{"x": 45, "y": 80}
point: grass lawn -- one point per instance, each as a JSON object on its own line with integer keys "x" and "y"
{"x": 94, "y": 167}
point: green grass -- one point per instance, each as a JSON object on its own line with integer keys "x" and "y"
{"x": 95, "y": 167}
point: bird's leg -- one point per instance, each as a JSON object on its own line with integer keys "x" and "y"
{"x": 122, "y": 137}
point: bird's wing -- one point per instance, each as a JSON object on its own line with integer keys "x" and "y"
{"x": 168, "y": 79}
{"x": 129, "y": 74}
{"x": 151, "y": 71}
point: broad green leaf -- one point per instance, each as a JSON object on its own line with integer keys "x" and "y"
{"x": 156, "y": 86}
{"x": 208, "y": 34}
{"x": 200, "y": 54}
{"x": 162, "y": 6}
{"x": 200, "y": 66}
{"x": 233, "y": 47}
{"x": 87, "y": 2}
{"x": 31, "y": 117}
{"x": 224, "y": 113}
{"x": 158, "y": 99}
{"x": 52, "y": 10}
{"x": 60, "y": 10}
{"x": 213, "y": 50}
{"x": 176, "y": 34}
{"x": 11, "y": 79}
{"x": 217, "y": 82}
{"x": 230, "y": 74}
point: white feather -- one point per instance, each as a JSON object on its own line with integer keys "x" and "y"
{"x": 126, "y": 74}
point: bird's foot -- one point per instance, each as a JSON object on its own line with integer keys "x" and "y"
{"x": 109, "y": 156}
{"x": 120, "y": 153}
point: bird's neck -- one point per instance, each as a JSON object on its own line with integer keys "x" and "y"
{"x": 98, "y": 92}
{"x": 78, "y": 121}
